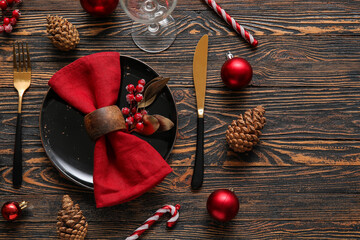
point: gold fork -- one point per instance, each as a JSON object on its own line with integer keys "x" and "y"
{"x": 22, "y": 79}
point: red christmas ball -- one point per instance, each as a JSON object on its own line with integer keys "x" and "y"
{"x": 11, "y": 210}
{"x": 223, "y": 205}
{"x": 99, "y": 8}
{"x": 236, "y": 72}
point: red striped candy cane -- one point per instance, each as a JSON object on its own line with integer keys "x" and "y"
{"x": 174, "y": 211}
{"x": 231, "y": 21}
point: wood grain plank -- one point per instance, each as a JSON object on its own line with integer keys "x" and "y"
{"x": 327, "y": 73}
{"x": 313, "y": 113}
{"x": 305, "y": 126}
{"x": 278, "y": 49}
{"x": 261, "y": 25}
{"x": 254, "y": 185}
{"x": 253, "y": 206}
{"x": 287, "y": 152}
{"x": 248, "y": 5}
{"x": 282, "y": 62}
{"x": 206, "y": 229}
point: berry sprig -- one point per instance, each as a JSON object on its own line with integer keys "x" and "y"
{"x": 9, "y": 23}
{"x": 134, "y": 118}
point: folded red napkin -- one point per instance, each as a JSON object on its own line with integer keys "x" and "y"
{"x": 125, "y": 166}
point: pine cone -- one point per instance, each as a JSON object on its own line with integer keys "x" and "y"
{"x": 63, "y": 34}
{"x": 71, "y": 222}
{"x": 243, "y": 134}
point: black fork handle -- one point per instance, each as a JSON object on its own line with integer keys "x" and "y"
{"x": 17, "y": 163}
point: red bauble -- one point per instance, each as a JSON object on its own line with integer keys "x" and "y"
{"x": 223, "y": 205}
{"x": 12, "y": 210}
{"x": 99, "y": 8}
{"x": 236, "y": 72}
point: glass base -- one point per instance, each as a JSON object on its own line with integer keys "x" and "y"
{"x": 156, "y": 37}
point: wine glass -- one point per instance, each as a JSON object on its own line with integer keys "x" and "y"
{"x": 154, "y": 28}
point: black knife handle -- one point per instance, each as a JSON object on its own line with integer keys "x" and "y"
{"x": 17, "y": 163}
{"x": 198, "y": 175}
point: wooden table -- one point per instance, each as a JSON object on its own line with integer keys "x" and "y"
{"x": 301, "y": 181}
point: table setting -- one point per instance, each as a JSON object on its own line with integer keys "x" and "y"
{"x": 226, "y": 120}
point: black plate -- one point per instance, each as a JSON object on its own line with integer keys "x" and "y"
{"x": 64, "y": 137}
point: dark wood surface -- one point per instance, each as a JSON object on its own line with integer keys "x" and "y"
{"x": 301, "y": 182}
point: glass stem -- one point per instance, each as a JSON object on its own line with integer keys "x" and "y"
{"x": 151, "y": 7}
{"x": 154, "y": 28}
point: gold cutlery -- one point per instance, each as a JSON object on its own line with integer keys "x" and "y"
{"x": 199, "y": 75}
{"x": 22, "y": 79}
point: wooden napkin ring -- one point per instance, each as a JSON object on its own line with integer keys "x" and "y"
{"x": 103, "y": 121}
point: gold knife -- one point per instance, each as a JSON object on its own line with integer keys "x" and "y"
{"x": 199, "y": 75}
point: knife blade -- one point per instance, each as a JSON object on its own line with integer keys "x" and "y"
{"x": 199, "y": 75}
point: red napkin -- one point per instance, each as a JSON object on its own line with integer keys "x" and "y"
{"x": 125, "y": 166}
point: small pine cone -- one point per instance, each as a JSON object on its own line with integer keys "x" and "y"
{"x": 71, "y": 223}
{"x": 243, "y": 134}
{"x": 62, "y": 33}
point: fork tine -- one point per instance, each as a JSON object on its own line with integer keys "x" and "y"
{"x": 19, "y": 61}
{"x": 28, "y": 56}
{"x": 14, "y": 58}
{"x": 24, "y": 67}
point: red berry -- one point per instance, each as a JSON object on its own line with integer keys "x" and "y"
{"x": 13, "y": 21}
{"x": 1, "y": 29}
{"x": 140, "y": 88}
{"x": 10, "y": 1}
{"x": 16, "y": 13}
{"x": 18, "y": 1}
{"x": 6, "y": 21}
{"x": 125, "y": 111}
{"x": 142, "y": 82}
{"x": 133, "y": 110}
{"x": 139, "y": 97}
{"x": 3, "y": 5}
{"x": 130, "y": 88}
{"x": 130, "y": 120}
{"x": 130, "y": 97}
{"x": 8, "y": 28}
{"x": 140, "y": 126}
{"x": 144, "y": 112}
{"x": 137, "y": 117}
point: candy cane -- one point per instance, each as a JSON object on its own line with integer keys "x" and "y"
{"x": 174, "y": 211}
{"x": 231, "y": 21}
